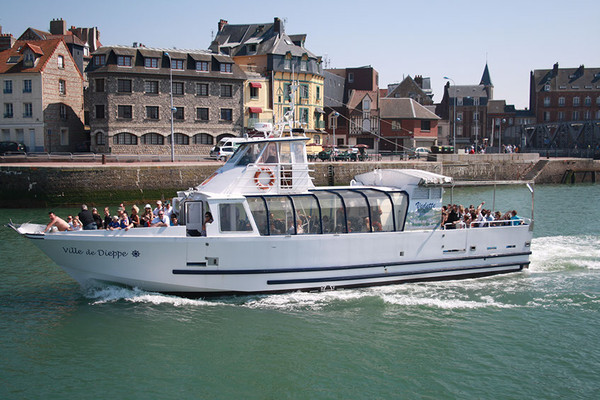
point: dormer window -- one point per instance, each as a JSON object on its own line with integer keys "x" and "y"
{"x": 13, "y": 59}
{"x": 287, "y": 62}
{"x": 227, "y": 68}
{"x": 252, "y": 48}
{"x": 100, "y": 59}
{"x": 124, "y": 61}
{"x": 151, "y": 62}
{"x": 202, "y": 66}
{"x": 28, "y": 59}
{"x": 177, "y": 64}
{"x": 304, "y": 63}
{"x": 366, "y": 104}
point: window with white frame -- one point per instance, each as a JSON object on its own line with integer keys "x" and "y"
{"x": 587, "y": 101}
{"x": 27, "y": 86}
{"x": 61, "y": 62}
{"x": 366, "y": 104}
{"x": 62, "y": 87}
{"x": 546, "y": 101}
{"x": 576, "y": 101}
{"x": 561, "y": 101}
{"x": 27, "y": 110}
{"x": 8, "y": 86}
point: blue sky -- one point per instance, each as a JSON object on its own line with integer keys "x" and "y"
{"x": 398, "y": 38}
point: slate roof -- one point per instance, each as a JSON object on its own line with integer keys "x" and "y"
{"x": 486, "y": 80}
{"x": 568, "y": 78}
{"x": 140, "y": 53}
{"x": 43, "y": 48}
{"x": 268, "y": 41}
{"x": 403, "y": 108}
{"x": 467, "y": 91}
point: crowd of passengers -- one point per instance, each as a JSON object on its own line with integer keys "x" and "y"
{"x": 455, "y": 216}
{"x": 161, "y": 215}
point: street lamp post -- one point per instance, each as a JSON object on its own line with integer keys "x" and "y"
{"x": 454, "y": 117}
{"x": 172, "y": 109}
{"x": 335, "y": 116}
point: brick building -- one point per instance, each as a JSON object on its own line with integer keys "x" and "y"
{"x": 129, "y": 100}
{"x": 42, "y": 96}
{"x": 406, "y": 124}
{"x": 565, "y": 94}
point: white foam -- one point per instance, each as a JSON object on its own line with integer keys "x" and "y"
{"x": 111, "y": 294}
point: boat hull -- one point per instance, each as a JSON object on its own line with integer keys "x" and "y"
{"x": 166, "y": 260}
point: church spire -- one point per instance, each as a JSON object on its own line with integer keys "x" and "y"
{"x": 485, "y": 79}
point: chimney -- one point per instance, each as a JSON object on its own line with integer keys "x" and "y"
{"x": 6, "y": 41}
{"x": 58, "y": 27}
{"x": 419, "y": 80}
{"x": 278, "y": 26}
{"x": 555, "y": 70}
{"x": 221, "y": 24}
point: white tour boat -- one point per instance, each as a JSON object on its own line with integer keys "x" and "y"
{"x": 274, "y": 231}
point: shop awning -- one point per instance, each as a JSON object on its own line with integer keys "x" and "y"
{"x": 255, "y": 110}
{"x": 255, "y": 85}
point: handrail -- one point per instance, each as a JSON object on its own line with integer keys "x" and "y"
{"x": 490, "y": 224}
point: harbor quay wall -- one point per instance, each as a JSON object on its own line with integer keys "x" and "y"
{"x": 108, "y": 184}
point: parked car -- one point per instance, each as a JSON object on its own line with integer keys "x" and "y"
{"x": 419, "y": 152}
{"x": 11, "y": 147}
{"x": 226, "y": 147}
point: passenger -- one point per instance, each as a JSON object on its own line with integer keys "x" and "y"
{"x": 516, "y": 220}
{"x": 124, "y": 221}
{"x": 160, "y": 220}
{"x": 159, "y": 207}
{"x": 114, "y": 223}
{"x": 134, "y": 218}
{"x": 147, "y": 217}
{"x": 208, "y": 219}
{"x": 168, "y": 209}
{"x": 107, "y": 217}
{"x": 87, "y": 219}
{"x": 77, "y": 225}
{"x": 58, "y": 222}
{"x": 174, "y": 220}
{"x": 453, "y": 217}
{"x": 97, "y": 218}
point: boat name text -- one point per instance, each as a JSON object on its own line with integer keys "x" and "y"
{"x": 99, "y": 253}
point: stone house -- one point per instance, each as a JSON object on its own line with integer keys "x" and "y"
{"x": 129, "y": 99}
{"x": 42, "y": 97}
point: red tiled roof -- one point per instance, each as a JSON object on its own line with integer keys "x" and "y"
{"x": 35, "y": 48}
{"x": 45, "y": 47}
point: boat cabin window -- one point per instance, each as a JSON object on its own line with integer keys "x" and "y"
{"x": 269, "y": 155}
{"x": 308, "y": 219}
{"x": 233, "y": 218}
{"x": 281, "y": 215}
{"x": 332, "y": 212}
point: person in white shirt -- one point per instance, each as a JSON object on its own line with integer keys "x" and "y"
{"x": 161, "y": 220}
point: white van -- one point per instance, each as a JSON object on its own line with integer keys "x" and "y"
{"x": 226, "y": 147}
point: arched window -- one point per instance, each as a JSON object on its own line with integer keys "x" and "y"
{"x": 203, "y": 138}
{"x": 100, "y": 139}
{"x": 366, "y": 125}
{"x": 180, "y": 138}
{"x": 125, "y": 138}
{"x": 153, "y": 138}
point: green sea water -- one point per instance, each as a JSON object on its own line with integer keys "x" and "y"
{"x": 529, "y": 335}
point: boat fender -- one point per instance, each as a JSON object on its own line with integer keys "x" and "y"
{"x": 257, "y": 175}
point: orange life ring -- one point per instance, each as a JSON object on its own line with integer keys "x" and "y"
{"x": 258, "y": 174}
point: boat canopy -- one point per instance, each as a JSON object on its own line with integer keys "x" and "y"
{"x": 401, "y": 178}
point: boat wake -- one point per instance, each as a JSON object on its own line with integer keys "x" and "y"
{"x": 551, "y": 256}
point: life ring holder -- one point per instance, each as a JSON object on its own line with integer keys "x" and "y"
{"x": 257, "y": 175}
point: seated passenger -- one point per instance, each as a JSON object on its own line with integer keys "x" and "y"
{"x": 208, "y": 219}
{"x": 516, "y": 220}
{"x": 160, "y": 220}
{"x": 114, "y": 224}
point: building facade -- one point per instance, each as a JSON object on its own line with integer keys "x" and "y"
{"x": 129, "y": 100}
{"x": 42, "y": 97}
{"x": 266, "y": 50}
{"x": 406, "y": 124}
